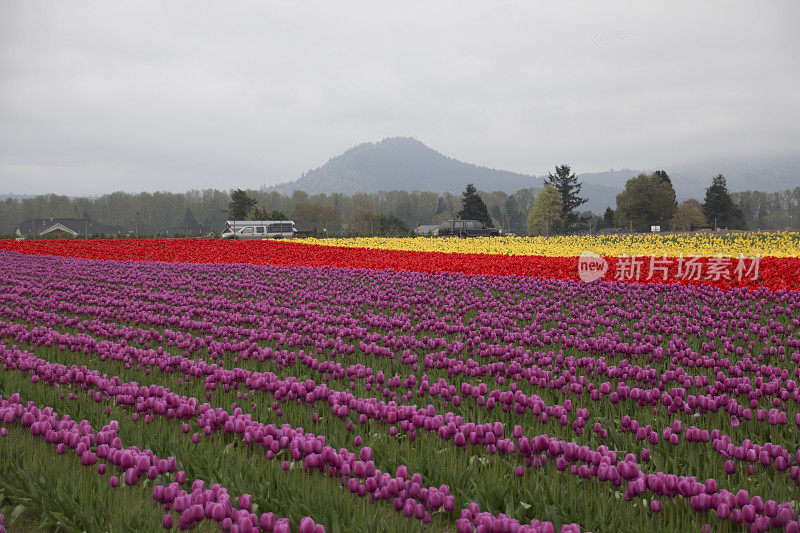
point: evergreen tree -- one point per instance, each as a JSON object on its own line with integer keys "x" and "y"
{"x": 719, "y": 208}
{"x": 568, "y": 187}
{"x": 608, "y": 218}
{"x": 473, "y": 208}
{"x": 240, "y": 205}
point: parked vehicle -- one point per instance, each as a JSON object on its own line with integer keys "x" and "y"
{"x": 465, "y": 228}
{"x": 259, "y": 229}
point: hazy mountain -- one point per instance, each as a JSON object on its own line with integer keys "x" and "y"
{"x": 691, "y": 180}
{"x": 404, "y": 163}
{"x": 12, "y": 196}
{"x": 768, "y": 174}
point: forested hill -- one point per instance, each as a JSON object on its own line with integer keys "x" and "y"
{"x": 402, "y": 163}
{"x": 406, "y": 164}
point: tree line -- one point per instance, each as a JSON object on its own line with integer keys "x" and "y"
{"x": 647, "y": 200}
{"x": 198, "y": 212}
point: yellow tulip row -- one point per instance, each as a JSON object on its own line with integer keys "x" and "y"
{"x": 781, "y": 244}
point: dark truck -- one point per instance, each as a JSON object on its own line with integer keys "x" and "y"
{"x": 465, "y": 228}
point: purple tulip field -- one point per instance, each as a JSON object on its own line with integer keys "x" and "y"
{"x": 145, "y": 395}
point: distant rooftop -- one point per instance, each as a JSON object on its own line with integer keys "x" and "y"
{"x": 73, "y": 227}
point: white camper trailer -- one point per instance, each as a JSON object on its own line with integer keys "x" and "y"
{"x": 259, "y": 229}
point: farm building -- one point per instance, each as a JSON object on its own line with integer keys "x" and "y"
{"x": 65, "y": 228}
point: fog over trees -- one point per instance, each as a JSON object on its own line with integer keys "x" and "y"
{"x": 196, "y": 212}
{"x": 410, "y": 184}
{"x": 166, "y": 213}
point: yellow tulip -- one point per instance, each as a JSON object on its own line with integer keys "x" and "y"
{"x": 779, "y": 244}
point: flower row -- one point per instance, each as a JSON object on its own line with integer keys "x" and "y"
{"x": 755, "y": 271}
{"x": 780, "y": 244}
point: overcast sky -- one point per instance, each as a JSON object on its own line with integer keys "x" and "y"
{"x": 97, "y": 97}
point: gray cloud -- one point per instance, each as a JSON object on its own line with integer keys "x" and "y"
{"x": 172, "y": 96}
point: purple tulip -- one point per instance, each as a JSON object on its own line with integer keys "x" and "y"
{"x": 306, "y": 525}
{"x": 655, "y": 506}
{"x": 245, "y": 502}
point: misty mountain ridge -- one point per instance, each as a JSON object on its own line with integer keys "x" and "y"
{"x": 400, "y": 163}
{"x": 405, "y": 163}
